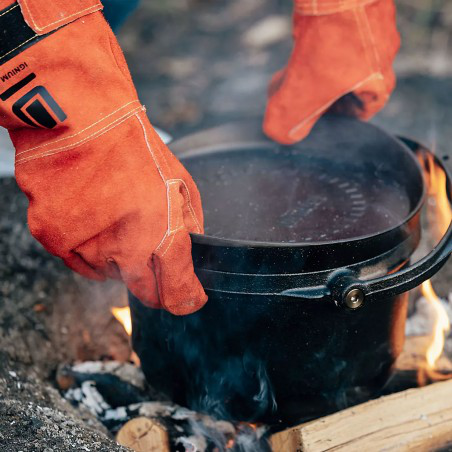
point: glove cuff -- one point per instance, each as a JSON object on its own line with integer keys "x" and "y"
{"x": 44, "y": 16}
{"x": 323, "y": 7}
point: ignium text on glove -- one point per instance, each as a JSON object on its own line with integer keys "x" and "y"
{"x": 13, "y": 72}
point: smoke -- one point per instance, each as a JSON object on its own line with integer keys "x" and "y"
{"x": 207, "y": 369}
{"x": 240, "y": 382}
{"x": 243, "y": 381}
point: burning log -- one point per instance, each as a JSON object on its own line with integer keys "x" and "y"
{"x": 413, "y": 420}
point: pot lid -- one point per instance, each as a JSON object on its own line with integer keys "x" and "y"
{"x": 347, "y": 180}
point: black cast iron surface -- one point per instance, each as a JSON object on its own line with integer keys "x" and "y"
{"x": 273, "y": 343}
{"x": 347, "y": 180}
{"x": 237, "y": 169}
{"x": 261, "y": 359}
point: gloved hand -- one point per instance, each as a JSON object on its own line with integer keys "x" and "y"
{"x": 340, "y": 47}
{"x": 106, "y": 195}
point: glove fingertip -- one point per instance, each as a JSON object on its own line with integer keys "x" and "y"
{"x": 282, "y": 132}
{"x": 186, "y": 307}
{"x": 179, "y": 289}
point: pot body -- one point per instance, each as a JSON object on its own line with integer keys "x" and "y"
{"x": 269, "y": 359}
{"x": 313, "y": 220}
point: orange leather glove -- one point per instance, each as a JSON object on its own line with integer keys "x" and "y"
{"x": 106, "y": 195}
{"x": 340, "y": 47}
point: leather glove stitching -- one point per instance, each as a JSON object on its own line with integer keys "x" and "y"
{"x": 8, "y": 10}
{"x": 81, "y": 131}
{"x": 90, "y": 206}
{"x": 359, "y": 15}
{"x": 22, "y": 43}
{"x": 169, "y": 195}
{"x": 165, "y": 236}
{"x": 91, "y": 137}
{"x": 170, "y": 243}
{"x": 168, "y": 183}
{"x": 63, "y": 19}
{"x": 310, "y": 9}
{"x": 159, "y": 168}
{"x": 18, "y": 47}
{"x": 373, "y": 42}
{"x": 192, "y": 212}
{"x": 373, "y": 76}
{"x": 369, "y": 44}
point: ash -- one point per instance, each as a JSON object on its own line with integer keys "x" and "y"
{"x": 117, "y": 392}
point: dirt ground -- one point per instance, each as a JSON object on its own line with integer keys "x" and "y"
{"x": 196, "y": 63}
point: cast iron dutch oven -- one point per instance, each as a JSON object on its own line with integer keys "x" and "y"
{"x": 306, "y": 262}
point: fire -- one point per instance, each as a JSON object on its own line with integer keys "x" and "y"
{"x": 122, "y": 315}
{"x": 440, "y": 210}
{"x": 440, "y": 328}
{"x": 440, "y": 215}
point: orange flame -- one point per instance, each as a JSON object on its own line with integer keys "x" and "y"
{"x": 440, "y": 328}
{"x": 438, "y": 201}
{"x": 122, "y": 315}
{"x": 440, "y": 214}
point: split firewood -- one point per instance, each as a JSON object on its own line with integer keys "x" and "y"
{"x": 144, "y": 435}
{"x": 394, "y": 422}
{"x": 412, "y": 420}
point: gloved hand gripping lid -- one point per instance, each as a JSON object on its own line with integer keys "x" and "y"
{"x": 340, "y": 47}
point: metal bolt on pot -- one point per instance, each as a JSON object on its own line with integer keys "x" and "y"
{"x": 354, "y": 299}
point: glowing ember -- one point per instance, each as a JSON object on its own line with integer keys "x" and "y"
{"x": 249, "y": 425}
{"x": 122, "y": 315}
{"x": 243, "y": 429}
{"x": 440, "y": 328}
